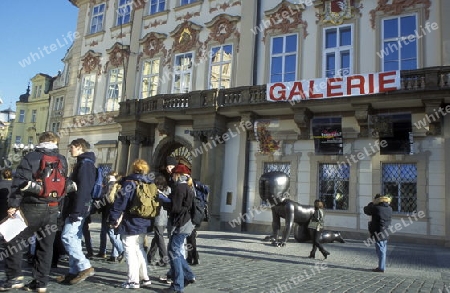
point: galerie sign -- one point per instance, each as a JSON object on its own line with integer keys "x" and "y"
{"x": 336, "y": 87}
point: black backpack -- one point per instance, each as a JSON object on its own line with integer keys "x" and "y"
{"x": 199, "y": 210}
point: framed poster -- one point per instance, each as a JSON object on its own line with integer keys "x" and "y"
{"x": 327, "y": 133}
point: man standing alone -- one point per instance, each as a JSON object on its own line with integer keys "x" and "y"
{"x": 78, "y": 209}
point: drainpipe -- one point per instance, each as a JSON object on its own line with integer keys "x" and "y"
{"x": 245, "y": 198}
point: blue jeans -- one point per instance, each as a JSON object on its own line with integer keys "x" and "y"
{"x": 179, "y": 267}
{"x": 381, "y": 249}
{"x": 71, "y": 237}
{"x": 117, "y": 246}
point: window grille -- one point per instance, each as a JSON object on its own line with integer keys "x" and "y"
{"x": 400, "y": 182}
{"x": 334, "y": 185}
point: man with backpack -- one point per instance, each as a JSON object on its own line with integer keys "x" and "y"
{"x": 38, "y": 186}
{"x": 78, "y": 208}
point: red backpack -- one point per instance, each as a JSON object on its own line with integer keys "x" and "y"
{"x": 51, "y": 175}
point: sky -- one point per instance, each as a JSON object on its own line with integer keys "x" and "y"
{"x": 35, "y": 36}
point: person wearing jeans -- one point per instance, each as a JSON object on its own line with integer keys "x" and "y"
{"x": 381, "y": 213}
{"x": 182, "y": 227}
{"x": 41, "y": 214}
{"x": 77, "y": 210}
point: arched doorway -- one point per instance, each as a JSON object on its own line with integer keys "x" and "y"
{"x": 177, "y": 147}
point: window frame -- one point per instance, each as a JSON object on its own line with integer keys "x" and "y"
{"x": 121, "y": 18}
{"x": 33, "y": 116}
{"x": 149, "y": 76}
{"x": 284, "y": 55}
{"x": 181, "y": 73}
{"x": 157, "y": 5}
{"x": 98, "y": 26}
{"x": 187, "y": 2}
{"x": 118, "y": 86}
{"x": 221, "y": 65}
{"x": 21, "y": 116}
{"x": 399, "y": 181}
{"x": 337, "y": 50}
{"x": 399, "y": 39}
{"x": 344, "y": 193}
{"x": 83, "y": 89}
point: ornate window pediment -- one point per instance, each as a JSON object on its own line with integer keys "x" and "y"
{"x": 222, "y": 27}
{"x": 186, "y": 37}
{"x": 337, "y": 11}
{"x": 153, "y": 43}
{"x": 118, "y": 54}
{"x": 285, "y": 18}
{"x": 91, "y": 62}
{"x": 397, "y": 7}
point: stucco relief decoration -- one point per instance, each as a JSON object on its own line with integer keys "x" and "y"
{"x": 285, "y": 18}
{"x": 397, "y": 7}
{"x": 222, "y": 27}
{"x": 118, "y": 54}
{"x": 185, "y": 37}
{"x": 86, "y": 120}
{"x": 153, "y": 43}
{"x": 263, "y": 132}
{"x": 105, "y": 118}
{"x": 223, "y": 5}
{"x": 155, "y": 23}
{"x": 91, "y": 63}
{"x": 337, "y": 11}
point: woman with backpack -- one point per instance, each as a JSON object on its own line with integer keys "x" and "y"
{"x": 132, "y": 227}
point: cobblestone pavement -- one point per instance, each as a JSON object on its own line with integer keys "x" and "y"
{"x": 241, "y": 262}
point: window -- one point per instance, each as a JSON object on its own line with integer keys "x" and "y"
{"x": 58, "y": 104}
{"x": 87, "y": 94}
{"x": 185, "y": 2}
{"x": 220, "y": 68}
{"x": 18, "y": 139}
{"x": 327, "y": 133}
{"x": 150, "y": 78}
{"x": 114, "y": 92}
{"x": 30, "y": 140}
{"x": 395, "y": 131}
{"x": 98, "y": 13}
{"x": 338, "y": 51}
{"x": 334, "y": 185}
{"x": 399, "y": 43}
{"x": 124, "y": 12}
{"x": 38, "y": 91}
{"x": 33, "y": 116}
{"x": 283, "y": 58}
{"x": 182, "y": 73}
{"x": 21, "y": 116}
{"x": 157, "y": 6}
{"x": 400, "y": 182}
{"x": 55, "y": 127}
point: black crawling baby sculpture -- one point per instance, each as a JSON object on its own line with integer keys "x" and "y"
{"x": 273, "y": 187}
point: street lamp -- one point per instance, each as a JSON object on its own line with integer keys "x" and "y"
{"x": 24, "y": 149}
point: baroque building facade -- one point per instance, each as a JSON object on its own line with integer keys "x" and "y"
{"x": 348, "y": 97}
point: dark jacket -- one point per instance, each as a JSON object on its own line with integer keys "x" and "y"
{"x": 381, "y": 213}
{"x": 26, "y": 171}
{"x": 5, "y": 190}
{"x": 83, "y": 175}
{"x": 181, "y": 198}
{"x": 130, "y": 224}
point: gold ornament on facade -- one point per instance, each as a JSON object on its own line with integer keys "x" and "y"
{"x": 398, "y": 7}
{"x": 185, "y": 36}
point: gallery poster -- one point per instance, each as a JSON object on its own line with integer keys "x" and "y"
{"x": 327, "y": 133}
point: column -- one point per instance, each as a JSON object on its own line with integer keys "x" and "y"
{"x": 135, "y": 142}
{"x": 122, "y": 158}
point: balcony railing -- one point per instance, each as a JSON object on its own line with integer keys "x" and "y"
{"x": 432, "y": 78}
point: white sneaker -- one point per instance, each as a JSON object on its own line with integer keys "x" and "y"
{"x": 145, "y": 283}
{"x": 130, "y": 285}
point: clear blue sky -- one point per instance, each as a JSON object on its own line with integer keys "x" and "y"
{"x": 34, "y": 30}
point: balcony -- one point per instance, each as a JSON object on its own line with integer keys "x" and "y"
{"x": 233, "y": 101}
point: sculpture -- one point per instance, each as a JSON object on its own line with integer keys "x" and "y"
{"x": 273, "y": 187}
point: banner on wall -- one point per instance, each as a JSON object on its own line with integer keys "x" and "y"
{"x": 336, "y": 87}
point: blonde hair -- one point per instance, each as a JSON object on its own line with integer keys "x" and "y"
{"x": 140, "y": 167}
{"x": 189, "y": 180}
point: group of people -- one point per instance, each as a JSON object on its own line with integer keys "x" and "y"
{"x": 64, "y": 217}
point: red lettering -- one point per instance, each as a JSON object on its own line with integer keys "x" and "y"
{"x": 360, "y": 84}
{"x": 312, "y": 95}
{"x": 281, "y": 93}
{"x": 371, "y": 84}
{"x": 384, "y": 80}
{"x": 297, "y": 89}
{"x": 331, "y": 87}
